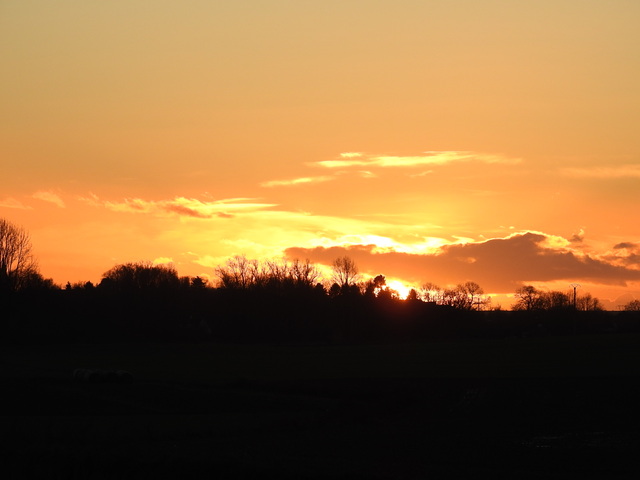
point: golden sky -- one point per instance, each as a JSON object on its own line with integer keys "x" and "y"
{"x": 442, "y": 141}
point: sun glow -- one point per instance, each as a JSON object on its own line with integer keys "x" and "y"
{"x": 402, "y": 289}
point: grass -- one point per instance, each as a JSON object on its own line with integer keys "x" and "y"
{"x": 601, "y": 355}
{"x": 326, "y": 411}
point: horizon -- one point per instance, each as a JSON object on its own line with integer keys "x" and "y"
{"x": 429, "y": 141}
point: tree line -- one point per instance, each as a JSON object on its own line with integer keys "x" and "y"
{"x": 270, "y": 300}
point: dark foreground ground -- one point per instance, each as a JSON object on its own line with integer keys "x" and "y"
{"x": 519, "y": 408}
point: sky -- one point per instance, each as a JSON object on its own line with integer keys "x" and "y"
{"x": 431, "y": 141}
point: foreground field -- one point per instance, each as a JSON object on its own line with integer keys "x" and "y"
{"x": 552, "y": 408}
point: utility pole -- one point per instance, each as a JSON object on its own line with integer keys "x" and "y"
{"x": 575, "y": 287}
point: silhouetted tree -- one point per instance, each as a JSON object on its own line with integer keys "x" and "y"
{"x": 375, "y": 285}
{"x": 238, "y": 273}
{"x": 464, "y": 296}
{"x": 455, "y": 297}
{"x": 412, "y": 296}
{"x": 281, "y": 275}
{"x": 334, "y": 290}
{"x": 140, "y": 276}
{"x": 79, "y": 286}
{"x": 304, "y": 273}
{"x": 17, "y": 263}
{"x": 528, "y": 298}
{"x": 554, "y": 300}
{"x": 632, "y": 306}
{"x": 345, "y": 272}
{"x": 588, "y": 303}
{"x": 472, "y": 295}
{"x": 34, "y": 281}
{"x": 430, "y": 292}
{"x": 198, "y": 282}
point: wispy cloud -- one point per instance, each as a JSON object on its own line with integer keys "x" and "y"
{"x": 422, "y": 174}
{"x": 163, "y": 261}
{"x": 297, "y": 181}
{"x": 367, "y": 174}
{"x": 618, "y": 171}
{"x": 48, "y": 196}
{"x": 347, "y": 160}
{"x": 11, "y": 202}
{"x": 182, "y": 206}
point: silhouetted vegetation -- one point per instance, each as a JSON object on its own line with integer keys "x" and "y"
{"x": 18, "y": 267}
{"x": 249, "y": 300}
{"x": 285, "y": 301}
{"x": 146, "y": 364}
{"x": 531, "y": 298}
{"x": 632, "y": 306}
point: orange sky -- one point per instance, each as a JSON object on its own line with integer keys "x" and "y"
{"x": 493, "y": 141}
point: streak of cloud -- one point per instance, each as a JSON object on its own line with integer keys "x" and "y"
{"x": 182, "y": 210}
{"x": 47, "y": 196}
{"x": 428, "y": 158}
{"x": 181, "y": 206}
{"x": 11, "y": 202}
{"x": 607, "y": 172}
{"x": 367, "y": 174}
{"x": 422, "y": 174}
{"x": 297, "y": 181}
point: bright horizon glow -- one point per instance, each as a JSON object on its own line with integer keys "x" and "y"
{"x": 402, "y": 289}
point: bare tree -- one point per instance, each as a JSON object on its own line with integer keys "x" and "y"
{"x": 239, "y": 273}
{"x": 17, "y": 263}
{"x": 554, "y": 300}
{"x": 431, "y": 292}
{"x": 473, "y": 295}
{"x": 529, "y": 298}
{"x": 345, "y": 272}
{"x": 588, "y": 303}
{"x": 632, "y": 306}
{"x": 304, "y": 273}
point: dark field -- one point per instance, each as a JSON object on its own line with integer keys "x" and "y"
{"x": 560, "y": 407}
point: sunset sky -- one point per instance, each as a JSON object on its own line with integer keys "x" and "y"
{"x": 442, "y": 141}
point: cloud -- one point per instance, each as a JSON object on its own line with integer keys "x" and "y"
{"x": 608, "y": 172}
{"x": 181, "y": 206}
{"x": 428, "y": 158}
{"x": 50, "y": 197}
{"x": 367, "y": 174}
{"x": 209, "y": 261}
{"x": 626, "y": 254}
{"x": 422, "y": 174}
{"x": 500, "y": 265}
{"x": 578, "y": 237}
{"x": 11, "y": 202}
{"x": 182, "y": 210}
{"x": 294, "y": 182}
{"x": 163, "y": 261}
{"x": 627, "y": 245}
{"x": 297, "y": 181}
